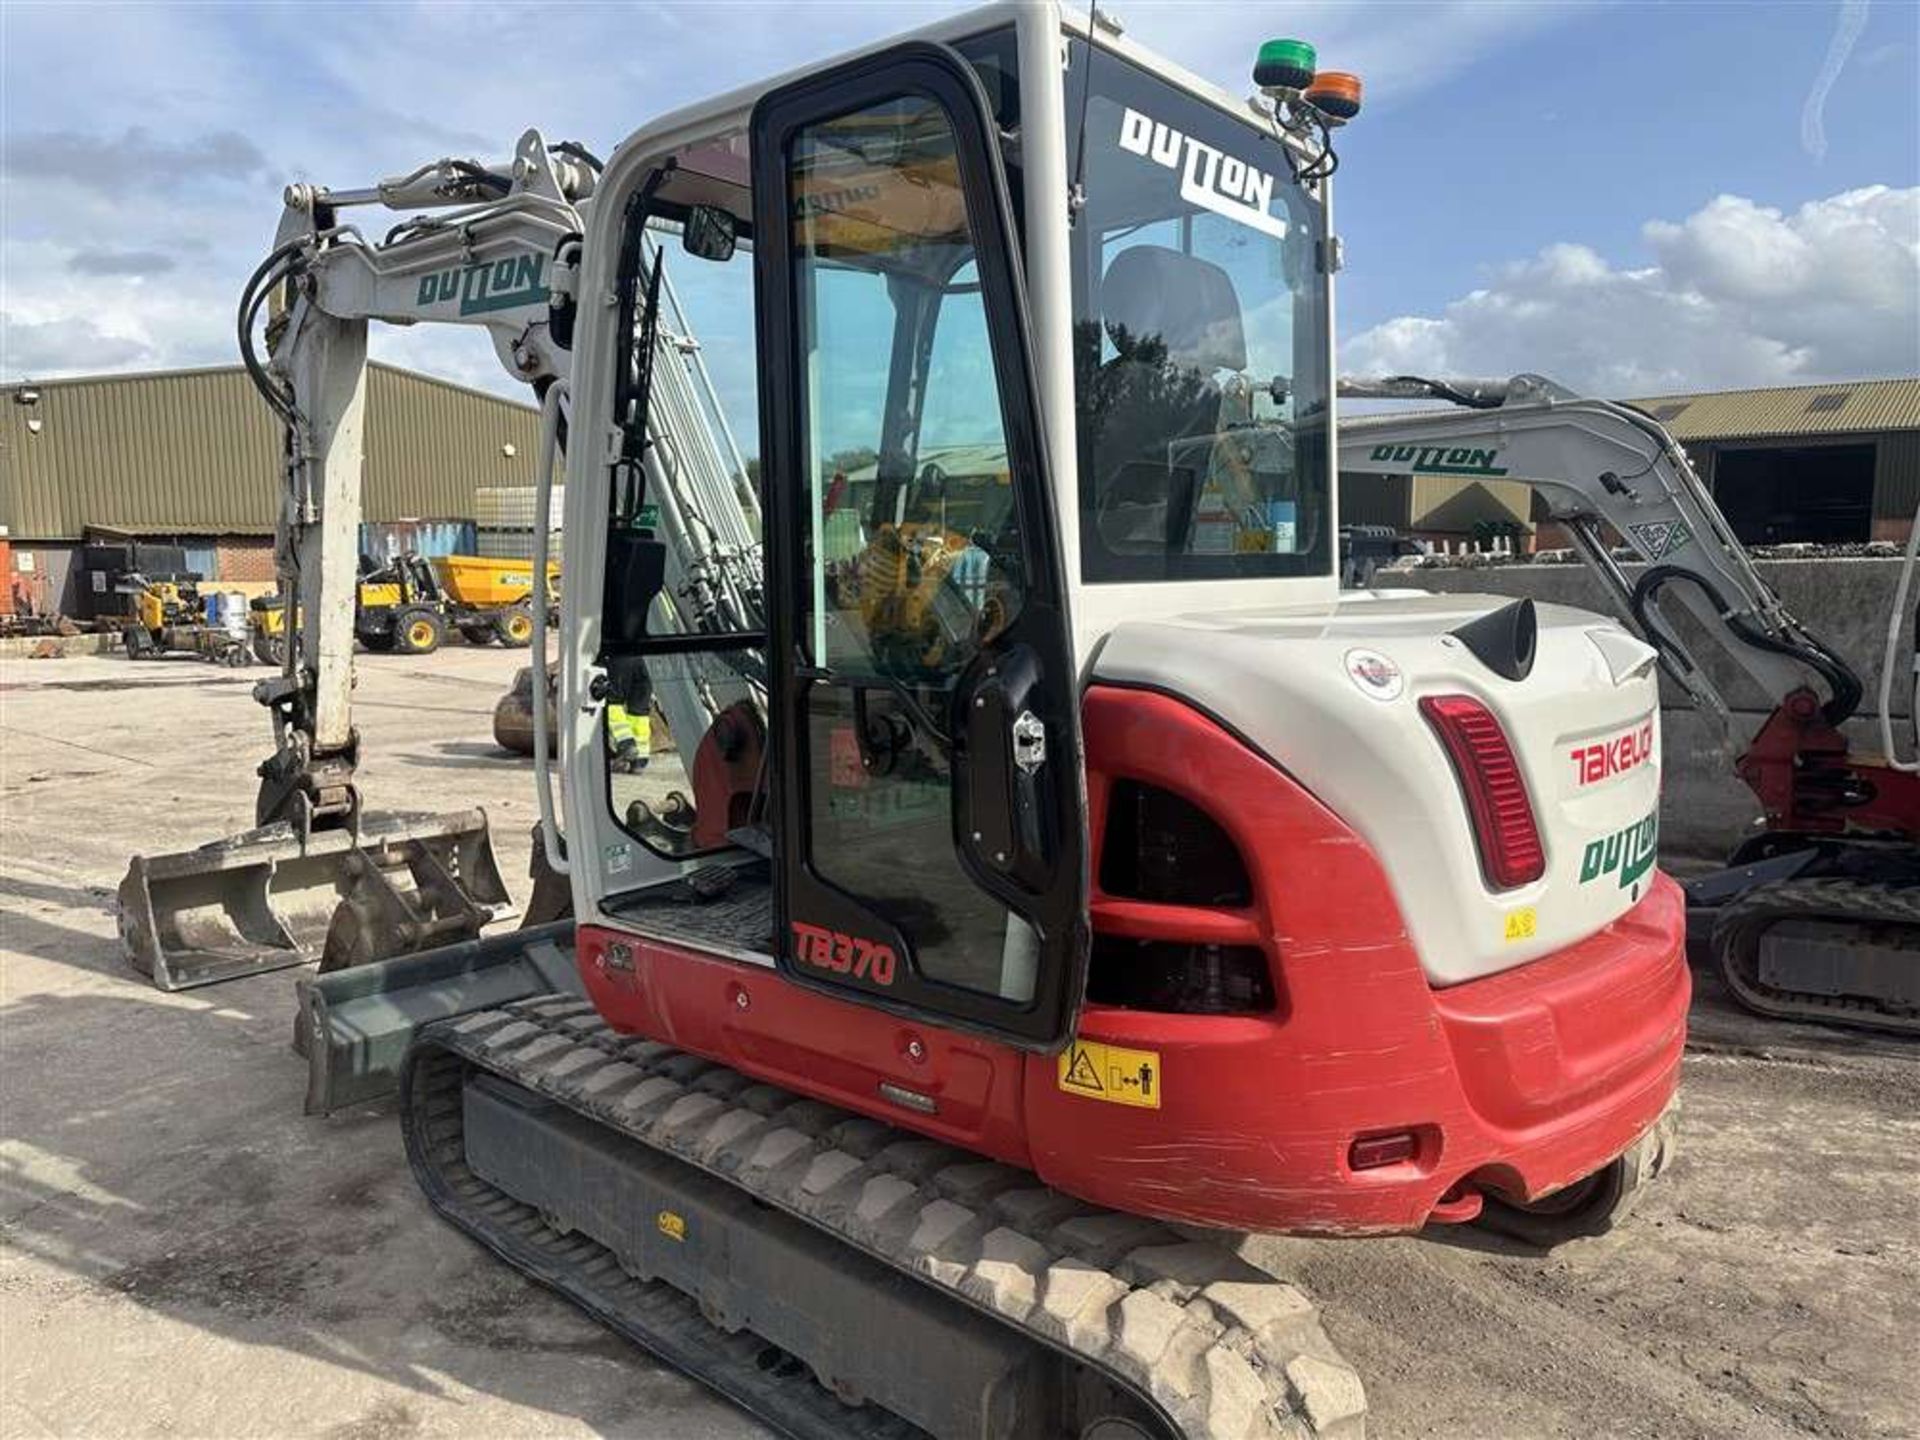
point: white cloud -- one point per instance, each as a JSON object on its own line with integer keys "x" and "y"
{"x": 52, "y": 347}
{"x": 134, "y": 160}
{"x": 1739, "y": 294}
{"x": 133, "y": 208}
{"x": 121, "y": 262}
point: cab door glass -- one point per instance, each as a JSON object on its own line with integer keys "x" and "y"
{"x": 912, "y": 553}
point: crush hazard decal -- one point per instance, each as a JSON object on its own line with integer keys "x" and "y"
{"x": 1112, "y": 1073}
{"x": 1209, "y": 178}
{"x": 1658, "y": 539}
{"x": 1628, "y": 854}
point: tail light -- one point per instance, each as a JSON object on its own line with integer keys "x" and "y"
{"x": 1496, "y": 793}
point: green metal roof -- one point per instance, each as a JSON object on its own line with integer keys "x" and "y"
{"x": 197, "y": 452}
{"x": 1845, "y": 407}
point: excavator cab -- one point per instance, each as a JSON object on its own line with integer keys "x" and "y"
{"x": 896, "y": 732}
{"x": 881, "y": 769}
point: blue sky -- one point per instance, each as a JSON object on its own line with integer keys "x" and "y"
{"x": 1629, "y": 196}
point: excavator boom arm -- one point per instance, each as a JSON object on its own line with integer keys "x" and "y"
{"x": 1600, "y": 467}
{"x": 486, "y": 256}
{"x": 316, "y": 879}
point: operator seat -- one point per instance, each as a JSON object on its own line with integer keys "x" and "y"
{"x": 1175, "y": 321}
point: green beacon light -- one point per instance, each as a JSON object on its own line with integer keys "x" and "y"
{"x": 1284, "y": 65}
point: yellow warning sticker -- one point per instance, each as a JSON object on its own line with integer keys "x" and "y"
{"x": 1522, "y": 923}
{"x": 673, "y": 1226}
{"x": 1111, "y": 1073}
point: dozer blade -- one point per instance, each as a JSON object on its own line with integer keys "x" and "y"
{"x": 356, "y": 1024}
{"x": 262, "y": 900}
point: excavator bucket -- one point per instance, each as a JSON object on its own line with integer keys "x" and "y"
{"x": 263, "y": 900}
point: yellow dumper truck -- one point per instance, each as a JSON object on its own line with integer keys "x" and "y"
{"x": 408, "y": 604}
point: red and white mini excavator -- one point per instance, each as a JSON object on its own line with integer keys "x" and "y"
{"x": 1060, "y": 855}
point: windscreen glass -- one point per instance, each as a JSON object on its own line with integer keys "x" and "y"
{"x": 1199, "y": 340}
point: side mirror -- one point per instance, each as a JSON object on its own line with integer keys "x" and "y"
{"x": 709, "y": 233}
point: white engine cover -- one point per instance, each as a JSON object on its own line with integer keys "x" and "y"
{"x": 1330, "y": 692}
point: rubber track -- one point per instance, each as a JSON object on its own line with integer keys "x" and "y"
{"x": 776, "y": 1387}
{"x": 1223, "y": 1349}
{"x": 1740, "y": 925}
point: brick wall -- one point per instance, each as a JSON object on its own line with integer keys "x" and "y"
{"x": 244, "y": 557}
{"x": 1895, "y": 530}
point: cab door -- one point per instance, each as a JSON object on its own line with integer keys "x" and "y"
{"x": 925, "y": 745}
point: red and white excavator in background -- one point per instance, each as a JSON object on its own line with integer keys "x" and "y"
{"x": 1062, "y": 856}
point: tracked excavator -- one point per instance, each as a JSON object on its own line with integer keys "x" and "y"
{"x": 1817, "y": 916}
{"x": 1071, "y": 872}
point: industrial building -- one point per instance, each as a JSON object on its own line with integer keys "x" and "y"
{"x": 1823, "y": 463}
{"x": 192, "y": 458}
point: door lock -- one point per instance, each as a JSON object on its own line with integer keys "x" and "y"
{"x": 1029, "y": 742}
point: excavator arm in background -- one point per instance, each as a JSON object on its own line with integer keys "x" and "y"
{"x": 1601, "y": 466}
{"x": 1818, "y": 915}
{"x": 493, "y": 248}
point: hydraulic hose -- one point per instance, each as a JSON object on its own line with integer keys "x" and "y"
{"x": 1841, "y": 681}
{"x": 581, "y": 153}
{"x": 252, "y": 296}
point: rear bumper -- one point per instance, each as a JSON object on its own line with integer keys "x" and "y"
{"x": 1572, "y": 1058}
{"x": 1520, "y": 1083}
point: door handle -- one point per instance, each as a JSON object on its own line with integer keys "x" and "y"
{"x": 1003, "y": 786}
{"x": 1029, "y": 742}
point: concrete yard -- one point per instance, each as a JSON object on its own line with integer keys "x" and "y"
{"x": 181, "y": 1252}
